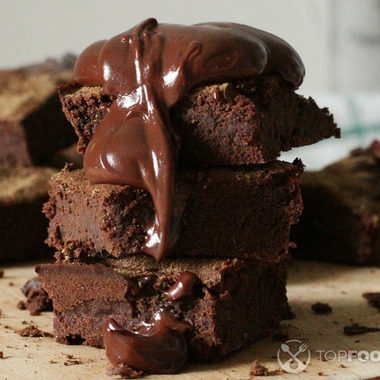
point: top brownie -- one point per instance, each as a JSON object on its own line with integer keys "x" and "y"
{"x": 240, "y": 123}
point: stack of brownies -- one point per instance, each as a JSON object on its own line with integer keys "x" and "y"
{"x": 33, "y": 135}
{"x": 173, "y": 241}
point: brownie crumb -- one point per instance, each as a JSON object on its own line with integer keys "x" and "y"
{"x": 373, "y": 299}
{"x": 37, "y": 300}
{"x": 71, "y": 360}
{"x": 21, "y": 305}
{"x": 125, "y": 371}
{"x": 355, "y": 329}
{"x": 258, "y": 369}
{"x": 1, "y": 273}
{"x": 32, "y": 331}
{"x": 1, "y": 355}
{"x": 321, "y": 308}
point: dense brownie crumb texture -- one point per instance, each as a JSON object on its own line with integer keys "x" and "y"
{"x": 341, "y": 215}
{"x": 172, "y": 242}
{"x": 34, "y": 136}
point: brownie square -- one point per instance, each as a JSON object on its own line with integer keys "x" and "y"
{"x": 231, "y": 303}
{"x": 23, "y": 227}
{"x": 32, "y": 125}
{"x": 239, "y": 123}
{"x": 238, "y": 212}
{"x": 340, "y": 222}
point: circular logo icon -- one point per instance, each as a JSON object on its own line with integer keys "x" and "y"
{"x": 293, "y": 356}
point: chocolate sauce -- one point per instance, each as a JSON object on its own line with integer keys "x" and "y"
{"x": 156, "y": 347}
{"x": 182, "y": 287}
{"x": 150, "y": 68}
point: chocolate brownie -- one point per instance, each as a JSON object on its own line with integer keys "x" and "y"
{"x": 243, "y": 212}
{"x": 342, "y": 210}
{"x": 226, "y": 303}
{"x": 239, "y": 123}
{"x": 32, "y": 125}
{"x": 23, "y": 191}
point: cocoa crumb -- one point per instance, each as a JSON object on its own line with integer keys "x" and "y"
{"x": 1, "y": 273}
{"x": 373, "y": 299}
{"x": 321, "y": 308}
{"x": 11, "y": 283}
{"x": 1, "y": 355}
{"x": 21, "y": 305}
{"x": 258, "y": 369}
{"x": 125, "y": 371}
{"x": 32, "y": 331}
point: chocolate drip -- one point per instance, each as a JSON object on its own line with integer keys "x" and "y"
{"x": 156, "y": 347}
{"x": 150, "y": 68}
{"x": 182, "y": 287}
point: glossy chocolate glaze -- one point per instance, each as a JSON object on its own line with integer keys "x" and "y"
{"x": 156, "y": 347}
{"x": 150, "y": 68}
{"x": 182, "y": 287}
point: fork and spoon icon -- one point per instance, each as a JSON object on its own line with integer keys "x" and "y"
{"x": 293, "y": 357}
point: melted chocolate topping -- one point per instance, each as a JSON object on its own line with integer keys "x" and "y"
{"x": 150, "y": 68}
{"x": 156, "y": 347}
{"x": 182, "y": 287}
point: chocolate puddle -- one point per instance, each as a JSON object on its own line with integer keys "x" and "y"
{"x": 150, "y": 68}
{"x": 156, "y": 347}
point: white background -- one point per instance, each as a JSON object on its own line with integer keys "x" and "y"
{"x": 338, "y": 40}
